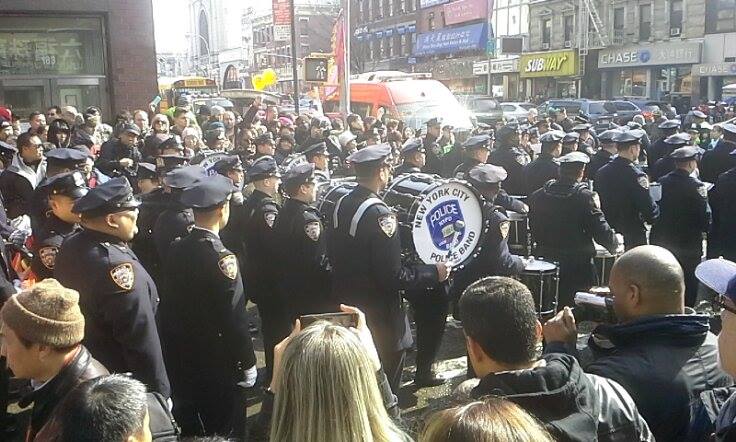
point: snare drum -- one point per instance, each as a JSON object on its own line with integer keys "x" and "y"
{"x": 543, "y": 279}
{"x": 518, "y": 239}
{"x": 328, "y": 194}
{"x": 439, "y": 219}
{"x": 604, "y": 262}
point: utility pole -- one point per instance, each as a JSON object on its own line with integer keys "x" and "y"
{"x": 345, "y": 77}
{"x": 294, "y": 67}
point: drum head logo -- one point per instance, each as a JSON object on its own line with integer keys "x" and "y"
{"x": 441, "y": 222}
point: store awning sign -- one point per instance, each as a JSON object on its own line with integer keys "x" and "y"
{"x": 655, "y": 55}
{"x": 443, "y": 41}
{"x": 549, "y": 64}
{"x": 714, "y": 70}
{"x": 462, "y": 11}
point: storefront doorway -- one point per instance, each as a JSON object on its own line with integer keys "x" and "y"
{"x": 33, "y": 94}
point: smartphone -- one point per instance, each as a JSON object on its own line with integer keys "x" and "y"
{"x": 341, "y": 318}
{"x": 156, "y": 100}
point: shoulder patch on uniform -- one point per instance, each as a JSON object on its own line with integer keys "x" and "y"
{"x": 48, "y": 256}
{"x": 504, "y": 227}
{"x": 269, "y": 217}
{"x": 643, "y": 182}
{"x": 388, "y": 224}
{"x": 229, "y": 266}
{"x": 702, "y": 191}
{"x": 123, "y": 276}
{"x": 313, "y": 229}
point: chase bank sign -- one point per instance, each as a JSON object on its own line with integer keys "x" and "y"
{"x": 660, "y": 54}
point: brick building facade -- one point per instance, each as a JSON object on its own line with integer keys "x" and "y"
{"x": 77, "y": 52}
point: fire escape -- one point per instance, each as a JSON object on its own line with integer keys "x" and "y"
{"x": 591, "y": 31}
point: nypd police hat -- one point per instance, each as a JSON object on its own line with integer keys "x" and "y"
{"x": 262, "y": 168}
{"x": 628, "y": 136}
{"x": 227, "y": 164}
{"x": 686, "y": 153}
{"x": 302, "y": 173}
{"x": 478, "y": 142}
{"x": 412, "y": 145}
{"x": 319, "y": 148}
{"x": 183, "y": 177}
{"x": 66, "y": 157}
{"x": 71, "y": 184}
{"x": 378, "y": 153}
{"x": 607, "y": 135}
{"x": 147, "y": 171}
{"x": 679, "y": 139}
{"x": 487, "y": 174}
{"x": 208, "y": 193}
{"x": 115, "y": 195}
{"x": 570, "y": 137}
{"x": 553, "y": 136}
{"x": 173, "y": 142}
{"x": 574, "y": 157}
{"x": 729, "y": 127}
{"x": 669, "y": 124}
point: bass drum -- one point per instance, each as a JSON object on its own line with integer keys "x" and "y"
{"x": 439, "y": 219}
{"x": 328, "y": 194}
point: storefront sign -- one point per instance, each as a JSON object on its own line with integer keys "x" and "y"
{"x": 655, "y": 55}
{"x": 714, "y": 70}
{"x": 430, "y": 3}
{"x": 461, "y": 11}
{"x": 480, "y": 68}
{"x": 281, "y": 20}
{"x": 549, "y": 64}
{"x": 42, "y": 53}
{"x": 505, "y": 66}
{"x": 443, "y": 41}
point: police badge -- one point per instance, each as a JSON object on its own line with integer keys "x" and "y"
{"x": 388, "y": 224}
{"x": 269, "y": 217}
{"x": 643, "y": 182}
{"x": 48, "y": 256}
{"x": 313, "y": 230}
{"x": 504, "y": 228}
{"x": 229, "y": 266}
{"x": 123, "y": 276}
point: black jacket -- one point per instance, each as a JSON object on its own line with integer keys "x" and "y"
{"x": 110, "y": 155}
{"x": 365, "y": 252}
{"x": 539, "y": 171}
{"x": 260, "y": 213}
{"x": 624, "y": 193}
{"x": 717, "y": 161}
{"x": 664, "y": 362}
{"x": 598, "y": 160}
{"x": 684, "y": 215}
{"x": 175, "y": 221}
{"x": 572, "y": 405}
{"x": 722, "y": 197}
{"x": 82, "y": 367}
{"x": 513, "y": 159}
{"x": 46, "y": 245}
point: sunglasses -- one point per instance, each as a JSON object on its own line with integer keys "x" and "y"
{"x": 720, "y": 301}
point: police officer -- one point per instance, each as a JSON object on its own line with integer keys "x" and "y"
{"x": 120, "y": 157}
{"x": 545, "y": 167}
{"x": 148, "y": 180}
{"x": 318, "y": 155}
{"x": 209, "y": 350}
{"x": 477, "y": 149}
{"x": 666, "y": 164}
{"x": 176, "y": 220}
{"x": 684, "y": 215}
{"x": 570, "y": 142}
{"x": 494, "y": 258}
{"x": 624, "y": 191}
{"x": 603, "y": 155}
{"x": 63, "y": 191}
{"x": 587, "y": 142}
{"x": 261, "y": 211}
{"x": 512, "y": 158}
{"x": 432, "y": 147}
{"x": 117, "y": 296}
{"x": 719, "y": 160}
{"x": 233, "y": 233}
{"x": 565, "y": 217}
{"x": 413, "y": 157}
{"x": 301, "y": 247}
{"x": 721, "y": 240}
{"x": 365, "y": 251}
{"x": 659, "y": 149}
{"x": 153, "y": 202}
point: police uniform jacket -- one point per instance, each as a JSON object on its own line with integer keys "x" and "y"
{"x": 717, "y": 161}
{"x": 433, "y": 151}
{"x": 659, "y": 149}
{"x": 203, "y": 315}
{"x": 301, "y": 254}
{"x": 233, "y": 234}
{"x": 261, "y": 212}
{"x": 119, "y": 301}
{"x": 721, "y": 240}
{"x": 624, "y": 193}
{"x": 461, "y": 171}
{"x": 662, "y": 167}
{"x": 565, "y": 218}
{"x": 539, "y": 171}
{"x": 143, "y": 244}
{"x": 174, "y": 222}
{"x": 684, "y": 214}
{"x": 110, "y": 155}
{"x": 598, "y": 160}
{"x": 513, "y": 159}
{"x": 46, "y": 246}
{"x": 494, "y": 258}
{"x": 406, "y": 168}
{"x": 365, "y": 254}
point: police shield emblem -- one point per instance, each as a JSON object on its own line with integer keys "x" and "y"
{"x": 269, "y": 217}
{"x": 123, "y": 276}
{"x": 441, "y": 221}
{"x": 643, "y": 182}
{"x": 504, "y": 228}
{"x": 48, "y": 256}
{"x": 229, "y": 266}
{"x": 313, "y": 230}
{"x": 388, "y": 224}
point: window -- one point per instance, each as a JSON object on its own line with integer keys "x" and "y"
{"x": 304, "y": 26}
{"x": 720, "y": 16}
{"x": 390, "y": 47}
{"x": 387, "y": 8}
{"x": 618, "y": 19}
{"x": 645, "y": 22}
{"x": 546, "y": 30}
{"x": 431, "y": 22}
{"x": 569, "y": 21}
{"x": 377, "y": 9}
{"x": 631, "y": 83}
{"x": 675, "y": 17}
{"x": 405, "y": 49}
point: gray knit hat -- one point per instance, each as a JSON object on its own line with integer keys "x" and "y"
{"x": 47, "y": 313}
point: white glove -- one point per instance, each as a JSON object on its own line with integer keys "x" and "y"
{"x": 250, "y": 376}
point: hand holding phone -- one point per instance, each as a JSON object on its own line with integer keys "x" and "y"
{"x": 340, "y": 318}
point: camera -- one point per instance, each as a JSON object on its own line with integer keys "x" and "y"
{"x": 595, "y": 305}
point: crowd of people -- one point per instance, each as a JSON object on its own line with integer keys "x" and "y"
{"x": 133, "y": 250}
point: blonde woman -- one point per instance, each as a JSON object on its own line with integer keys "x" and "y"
{"x": 490, "y": 420}
{"x": 329, "y": 386}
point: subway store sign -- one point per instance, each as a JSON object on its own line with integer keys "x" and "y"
{"x": 549, "y": 64}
